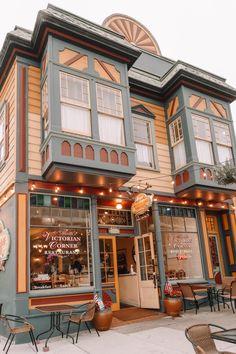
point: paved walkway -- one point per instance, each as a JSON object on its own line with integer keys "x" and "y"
{"x": 162, "y": 336}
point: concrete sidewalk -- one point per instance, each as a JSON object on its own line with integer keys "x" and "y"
{"x": 162, "y": 336}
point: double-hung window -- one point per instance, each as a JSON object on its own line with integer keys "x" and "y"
{"x": 110, "y": 115}
{"x": 177, "y": 143}
{"x": 143, "y": 142}
{"x": 202, "y": 134}
{"x": 75, "y": 104}
{"x": 223, "y": 141}
{"x": 2, "y": 133}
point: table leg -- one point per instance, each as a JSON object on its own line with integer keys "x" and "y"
{"x": 46, "y": 348}
{"x": 51, "y": 325}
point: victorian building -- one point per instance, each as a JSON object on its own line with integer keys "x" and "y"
{"x": 91, "y": 118}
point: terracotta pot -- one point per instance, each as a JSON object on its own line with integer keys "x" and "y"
{"x": 173, "y": 306}
{"x": 102, "y": 320}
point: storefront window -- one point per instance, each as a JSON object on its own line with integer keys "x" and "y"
{"x": 60, "y": 242}
{"x": 180, "y": 243}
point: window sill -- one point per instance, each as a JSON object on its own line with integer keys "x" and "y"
{"x": 151, "y": 169}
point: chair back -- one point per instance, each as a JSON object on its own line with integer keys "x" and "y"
{"x": 233, "y": 288}
{"x": 186, "y": 290}
{"x": 200, "y": 337}
{"x": 226, "y": 283}
{"x": 88, "y": 314}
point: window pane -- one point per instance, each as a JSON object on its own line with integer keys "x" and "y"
{"x": 111, "y": 130}
{"x": 222, "y": 134}
{"x": 225, "y": 153}
{"x": 201, "y": 128}
{"x": 74, "y": 90}
{"x": 142, "y": 131}
{"x": 204, "y": 152}
{"x": 176, "y": 131}
{"x": 144, "y": 155}
{"x": 179, "y": 155}
{"x": 109, "y": 100}
{"x": 60, "y": 258}
{"x": 75, "y": 119}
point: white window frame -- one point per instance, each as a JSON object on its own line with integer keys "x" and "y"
{"x": 84, "y": 105}
{"x": 219, "y": 142}
{"x": 198, "y": 138}
{"x": 108, "y": 112}
{"x": 148, "y": 144}
{"x": 3, "y": 137}
{"x": 176, "y": 140}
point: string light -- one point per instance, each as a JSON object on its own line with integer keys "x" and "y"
{"x": 172, "y": 182}
{"x": 81, "y": 191}
{"x": 101, "y": 193}
{"x": 110, "y": 189}
{"x": 57, "y": 189}
{"x": 199, "y": 203}
{"x": 119, "y": 206}
{"x": 171, "y": 201}
{"x": 211, "y": 205}
{"x": 33, "y": 186}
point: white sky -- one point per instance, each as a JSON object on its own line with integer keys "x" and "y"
{"x": 201, "y": 32}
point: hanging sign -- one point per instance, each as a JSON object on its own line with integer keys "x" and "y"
{"x": 4, "y": 245}
{"x": 141, "y": 204}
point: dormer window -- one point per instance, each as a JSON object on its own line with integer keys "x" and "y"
{"x": 143, "y": 142}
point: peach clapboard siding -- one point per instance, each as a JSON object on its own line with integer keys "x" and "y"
{"x": 160, "y": 181}
{"x": 8, "y": 93}
{"x": 34, "y": 129}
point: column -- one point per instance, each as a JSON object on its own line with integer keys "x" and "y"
{"x": 95, "y": 243}
{"x": 160, "y": 257}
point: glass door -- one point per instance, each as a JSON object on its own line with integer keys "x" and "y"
{"x": 146, "y": 271}
{"x": 109, "y": 272}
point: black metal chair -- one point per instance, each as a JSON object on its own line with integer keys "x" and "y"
{"x": 17, "y": 325}
{"x": 229, "y": 294}
{"x": 190, "y": 296}
{"x": 85, "y": 317}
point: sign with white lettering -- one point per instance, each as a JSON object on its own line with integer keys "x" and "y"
{"x": 4, "y": 245}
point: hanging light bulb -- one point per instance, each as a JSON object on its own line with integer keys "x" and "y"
{"x": 110, "y": 189}
{"x": 119, "y": 206}
{"x": 33, "y": 186}
{"x": 101, "y": 193}
{"x": 81, "y": 191}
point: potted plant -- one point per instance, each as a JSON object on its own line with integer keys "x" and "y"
{"x": 103, "y": 314}
{"x": 172, "y": 301}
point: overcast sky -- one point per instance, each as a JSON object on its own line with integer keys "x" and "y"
{"x": 200, "y": 32}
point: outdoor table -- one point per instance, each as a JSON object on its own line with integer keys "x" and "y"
{"x": 227, "y": 335}
{"x": 55, "y": 320}
{"x": 211, "y": 292}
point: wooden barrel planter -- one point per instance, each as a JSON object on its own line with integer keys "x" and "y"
{"x": 102, "y": 319}
{"x": 173, "y": 306}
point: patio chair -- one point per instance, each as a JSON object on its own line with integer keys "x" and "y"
{"x": 229, "y": 294}
{"x": 85, "y": 317}
{"x": 189, "y": 295}
{"x": 17, "y": 325}
{"x": 200, "y": 337}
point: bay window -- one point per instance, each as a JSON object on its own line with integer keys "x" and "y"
{"x": 177, "y": 143}
{"x": 202, "y": 134}
{"x": 110, "y": 115}
{"x": 223, "y": 141}
{"x": 75, "y": 104}
{"x": 143, "y": 142}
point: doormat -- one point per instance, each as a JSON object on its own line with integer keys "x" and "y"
{"x": 131, "y": 314}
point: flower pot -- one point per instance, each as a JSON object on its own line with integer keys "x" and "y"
{"x": 102, "y": 319}
{"x": 173, "y": 306}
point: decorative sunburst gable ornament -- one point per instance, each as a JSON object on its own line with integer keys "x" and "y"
{"x": 4, "y": 245}
{"x": 133, "y": 31}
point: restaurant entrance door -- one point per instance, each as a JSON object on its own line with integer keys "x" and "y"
{"x": 109, "y": 272}
{"x": 214, "y": 243}
{"x": 146, "y": 270}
